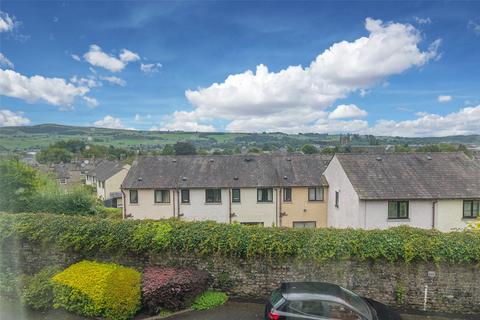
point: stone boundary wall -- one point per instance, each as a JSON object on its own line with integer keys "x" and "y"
{"x": 449, "y": 288}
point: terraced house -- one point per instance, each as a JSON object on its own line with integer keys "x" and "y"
{"x": 279, "y": 190}
{"x": 437, "y": 190}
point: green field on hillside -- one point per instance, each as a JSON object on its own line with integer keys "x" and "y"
{"x": 40, "y": 136}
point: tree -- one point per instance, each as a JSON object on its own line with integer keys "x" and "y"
{"x": 217, "y": 152}
{"x": 74, "y": 145}
{"x": 254, "y": 150}
{"x": 402, "y": 148}
{"x": 237, "y": 150}
{"x": 330, "y": 150}
{"x": 54, "y": 155}
{"x": 18, "y": 182}
{"x": 309, "y": 149}
{"x": 290, "y": 149}
{"x": 168, "y": 150}
{"x": 184, "y": 148}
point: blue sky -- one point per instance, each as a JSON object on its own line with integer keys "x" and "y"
{"x": 396, "y": 68}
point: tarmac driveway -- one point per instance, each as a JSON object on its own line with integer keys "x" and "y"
{"x": 254, "y": 311}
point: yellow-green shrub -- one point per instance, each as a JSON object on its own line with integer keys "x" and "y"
{"x": 98, "y": 289}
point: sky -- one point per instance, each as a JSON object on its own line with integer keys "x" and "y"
{"x": 385, "y": 68}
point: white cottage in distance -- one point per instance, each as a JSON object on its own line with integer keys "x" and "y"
{"x": 434, "y": 190}
{"x": 107, "y": 177}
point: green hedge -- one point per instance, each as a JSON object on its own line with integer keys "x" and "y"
{"x": 90, "y": 235}
{"x": 77, "y": 201}
{"x": 37, "y": 290}
{"x": 98, "y": 290}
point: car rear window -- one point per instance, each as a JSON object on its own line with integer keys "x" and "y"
{"x": 275, "y": 297}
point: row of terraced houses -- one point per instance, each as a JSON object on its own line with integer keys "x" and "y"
{"x": 438, "y": 190}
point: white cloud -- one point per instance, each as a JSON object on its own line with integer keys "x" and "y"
{"x": 5, "y": 62}
{"x": 96, "y": 57}
{"x": 150, "y": 67}
{"x": 10, "y": 118}
{"x": 75, "y": 57}
{"x": 7, "y": 22}
{"x": 110, "y": 122}
{"x": 55, "y": 91}
{"x": 115, "y": 80}
{"x": 263, "y": 100}
{"x": 128, "y": 56}
{"x": 463, "y": 122}
{"x": 474, "y": 25}
{"x": 347, "y": 111}
{"x": 184, "y": 121}
{"x": 423, "y": 20}
{"x": 339, "y": 126}
{"x": 91, "y": 102}
{"x": 443, "y": 99}
{"x": 90, "y": 81}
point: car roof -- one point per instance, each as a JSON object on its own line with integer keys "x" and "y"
{"x": 305, "y": 289}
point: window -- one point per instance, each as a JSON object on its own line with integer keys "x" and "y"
{"x": 133, "y": 196}
{"x": 213, "y": 196}
{"x": 471, "y": 209}
{"x": 337, "y": 198}
{"x": 63, "y": 181}
{"x": 315, "y": 194}
{"x": 235, "y": 195}
{"x": 398, "y": 210}
{"x": 287, "y": 194}
{"x": 265, "y": 195}
{"x": 304, "y": 224}
{"x": 185, "y": 196}
{"x": 162, "y": 196}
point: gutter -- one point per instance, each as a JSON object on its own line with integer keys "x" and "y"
{"x": 433, "y": 213}
{"x": 173, "y": 202}
{"x": 230, "y": 205}
{"x": 124, "y": 209}
{"x": 277, "y": 211}
{"x": 178, "y": 204}
{"x": 279, "y": 216}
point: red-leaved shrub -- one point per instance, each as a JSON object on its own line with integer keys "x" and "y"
{"x": 171, "y": 288}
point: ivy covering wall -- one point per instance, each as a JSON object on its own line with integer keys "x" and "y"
{"x": 94, "y": 235}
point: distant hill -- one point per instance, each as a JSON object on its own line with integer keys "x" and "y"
{"x": 38, "y": 136}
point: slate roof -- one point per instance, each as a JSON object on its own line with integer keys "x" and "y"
{"x": 106, "y": 169}
{"x": 62, "y": 171}
{"x": 227, "y": 171}
{"x": 412, "y": 175}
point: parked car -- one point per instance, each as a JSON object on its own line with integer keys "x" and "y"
{"x": 320, "y": 300}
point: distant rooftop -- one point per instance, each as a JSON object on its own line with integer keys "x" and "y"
{"x": 105, "y": 169}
